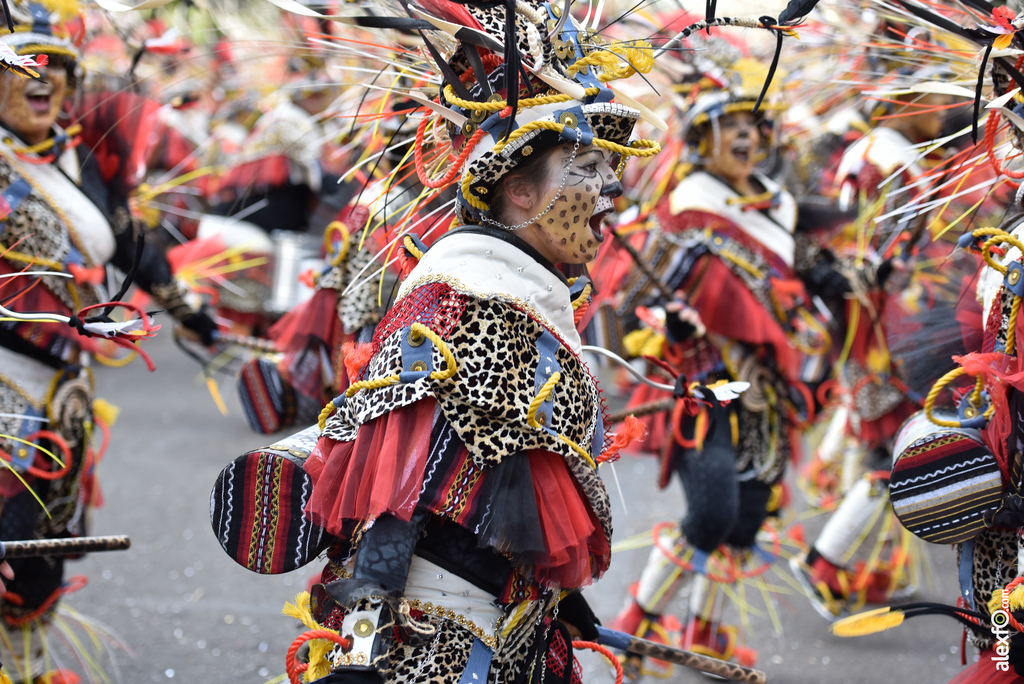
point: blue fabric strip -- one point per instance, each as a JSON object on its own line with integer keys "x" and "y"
{"x": 478, "y": 666}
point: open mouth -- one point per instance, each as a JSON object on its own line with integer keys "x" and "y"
{"x": 39, "y": 95}
{"x": 742, "y": 150}
{"x": 602, "y": 209}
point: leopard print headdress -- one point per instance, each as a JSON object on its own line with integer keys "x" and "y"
{"x": 512, "y": 89}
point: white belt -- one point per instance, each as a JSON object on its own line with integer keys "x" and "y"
{"x": 436, "y": 591}
{"x": 31, "y": 376}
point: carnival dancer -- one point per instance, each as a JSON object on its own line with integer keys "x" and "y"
{"x": 459, "y": 472}
{"x": 61, "y": 218}
{"x": 722, "y": 266}
{"x": 880, "y": 173}
{"x": 956, "y": 475}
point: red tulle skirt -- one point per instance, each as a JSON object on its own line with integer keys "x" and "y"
{"x": 984, "y": 672}
{"x": 528, "y": 507}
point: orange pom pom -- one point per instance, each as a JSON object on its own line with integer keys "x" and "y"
{"x": 632, "y": 429}
{"x": 357, "y": 355}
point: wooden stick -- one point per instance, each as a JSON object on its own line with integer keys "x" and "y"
{"x": 642, "y": 265}
{"x": 642, "y": 410}
{"x": 62, "y": 547}
{"x": 677, "y": 656}
{"x": 257, "y": 343}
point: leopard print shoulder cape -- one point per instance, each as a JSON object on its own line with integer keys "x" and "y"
{"x": 502, "y": 357}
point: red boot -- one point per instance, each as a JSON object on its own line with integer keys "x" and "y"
{"x": 717, "y": 641}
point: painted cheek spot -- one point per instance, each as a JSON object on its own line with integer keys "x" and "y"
{"x": 572, "y": 237}
{"x": 589, "y": 189}
{"x": 578, "y": 197}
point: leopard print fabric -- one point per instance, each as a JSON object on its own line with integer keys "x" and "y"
{"x": 487, "y": 400}
{"x": 994, "y": 566}
{"x": 874, "y": 399}
{"x": 43, "y": 233}
{"x": 13, "y": 404}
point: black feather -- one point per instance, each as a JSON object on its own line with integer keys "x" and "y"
{"x": 796, "y": 9}
{"x": 7, "y": 15}
{"x": 980, "y": 36}
{"x": 768, "y": 21}
{"x": 513, "y": 63}
{"x": 473, "y": 55}
{"x": 1011, "y": 71}
{"x": 977, "y": 93}
{"x": 709, "y": 12}
{"x": 398, "y": 23}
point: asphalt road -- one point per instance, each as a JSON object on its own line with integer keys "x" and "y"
{"x": 187, "y": 613}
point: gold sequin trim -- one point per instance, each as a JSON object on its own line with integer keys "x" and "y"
{"x": 21, "y": 392}
{"x": 461, "y": 620}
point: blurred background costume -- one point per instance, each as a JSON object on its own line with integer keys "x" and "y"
{"x": 58, "y": 216}
{"x": 724, "y": 250}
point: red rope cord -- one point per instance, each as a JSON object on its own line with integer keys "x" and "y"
{"x": 609, "y": 656}
{"x": 293, "y": 668}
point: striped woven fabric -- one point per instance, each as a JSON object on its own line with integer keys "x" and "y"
{"x": 268, "y": 402}
{"x": 256, "y": 509}
{"x": 942, "y": 486}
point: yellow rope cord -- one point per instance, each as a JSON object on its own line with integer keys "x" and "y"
{"x": 411, "y": 246}
{"x": 325, "y": 413}
{"x": 498, "y": 105}
{"x": 1011, "y": 332}
{"x": 12, "y": 255}
{"x": 579, "y": 450}
{"x": 531, "y": 416}
{"x": 933, "y": 394}
{"x": 467, "y": 193}
{"x": 584, "y": 296}
{"x": 416, "y": 329}
{"x": 742, "y": 263}
{"x": 545, "y": 392}
{"x": 750, "y": 199}
{"x": 46, "y": 144}
{"x": 343, "y": 248}
{"x": 115, "y": 361}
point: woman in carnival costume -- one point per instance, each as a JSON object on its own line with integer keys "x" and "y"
{"x": 459, "y": 473}
{"x": 723, "y": 266}
{"x": 61, "y": 226}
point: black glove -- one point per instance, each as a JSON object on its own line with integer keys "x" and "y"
{"x": 201, "y": 324}
{"x": 827, "y": 282}
{"x": 883, "y": 272}
{"x": 678, "y": 330}
{"x": 575, "y": 611}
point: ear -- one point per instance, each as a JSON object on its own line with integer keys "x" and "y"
{"x": 520, "y": 191}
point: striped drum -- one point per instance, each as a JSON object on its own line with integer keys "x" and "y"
{"x": 944, "y": 480}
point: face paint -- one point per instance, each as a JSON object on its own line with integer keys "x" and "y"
{"x": 571, "y": 232}
{"x": 30, "y": 107}
{"x": 732, "y": 157}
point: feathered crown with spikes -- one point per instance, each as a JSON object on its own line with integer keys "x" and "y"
{"x": 524, "y": 76}
{"x": 39, "y": 27}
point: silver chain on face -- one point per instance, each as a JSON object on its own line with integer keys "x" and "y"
{"x": 558, "y": 193}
